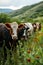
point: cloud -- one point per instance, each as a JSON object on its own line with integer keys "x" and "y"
{"x": 5, "y": 2}
{"x": 11, "y": 7}
{"x": 15, "y": 8}
{"x": 24, "y": 2}
{"x": 17, "y": 3}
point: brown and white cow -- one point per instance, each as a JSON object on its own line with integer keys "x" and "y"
{"x": 13, "y": 30}
{"x": 12, "y": 27}
{"x": 5, "y": 38}
{"x": 38, "y": 26}
{"x": 34, "y": 27}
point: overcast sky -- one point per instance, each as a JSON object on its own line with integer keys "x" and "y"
{"x": 16, "y": 4}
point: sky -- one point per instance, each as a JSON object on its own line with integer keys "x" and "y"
{"x": 16, "y": 4}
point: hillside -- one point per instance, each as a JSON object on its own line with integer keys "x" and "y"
{"x": 2, "y": 10}
{"x": 31, "y": 11}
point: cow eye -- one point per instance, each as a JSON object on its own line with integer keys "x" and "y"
{"x": 27, "y": 28}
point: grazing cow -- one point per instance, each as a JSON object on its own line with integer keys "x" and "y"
{"x": 13, "y": 30}
{"x": 5, "y": 38}
{"x": 29, "y": 28}
{"x": 38, "y": 26}
{"x": 14, "y": 26}
{"x": 21, "y": 32}
{"x": 34, "y": 27}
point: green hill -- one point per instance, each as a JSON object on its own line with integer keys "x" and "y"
{"x": 31, "y": 11}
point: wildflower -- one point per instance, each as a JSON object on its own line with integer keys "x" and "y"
{"x": 28, "y": 51}
{"x": 29, "y": 60}
{"x": 37, "y": 57}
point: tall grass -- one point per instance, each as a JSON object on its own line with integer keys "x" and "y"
{"x": 31, "y": 53}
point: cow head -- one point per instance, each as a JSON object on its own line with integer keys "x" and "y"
{"x": 8, "y": 26}
{"x": 29, "y": 29}
{"x": 38, "y": 26}
{"x": 14, "y": 26}
{"x": 21, "y": 32}
{"x": 34, "y": 27}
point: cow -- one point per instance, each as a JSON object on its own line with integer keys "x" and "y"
{"x": 38, "y": 26}
{"x": 34, "y": 27}
{"x": 29, "y": 30}
{"x": 21, "y": 32}
{"x": 13, "y": 31}
{"x": 5, "y": 38}
{"x": 14, "y": 27}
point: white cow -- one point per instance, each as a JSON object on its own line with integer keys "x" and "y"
{"x": 29, "y": 28}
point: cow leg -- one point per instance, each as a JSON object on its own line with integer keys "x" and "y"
{"x": 5, "y": 53}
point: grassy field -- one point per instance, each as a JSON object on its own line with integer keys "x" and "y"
{"x": 30, "y": 54}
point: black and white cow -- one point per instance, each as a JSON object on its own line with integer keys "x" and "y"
{"x": 21, "y": 32}
{"x": 29, "y": 27}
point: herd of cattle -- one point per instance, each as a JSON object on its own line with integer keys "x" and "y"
{"x": 10, "y": 33}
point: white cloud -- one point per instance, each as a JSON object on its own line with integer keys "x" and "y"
{"x": 11, "y": 7}
{"x": 15, "y": 8}
{"x": 16, "y": 4}
{"x": 5, "y": 2}
{"x": 24, "y": 2}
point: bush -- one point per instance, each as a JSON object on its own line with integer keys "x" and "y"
{"x": 4, "y": 18}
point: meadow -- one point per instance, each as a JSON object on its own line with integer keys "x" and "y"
{"x": 28, "y": 52}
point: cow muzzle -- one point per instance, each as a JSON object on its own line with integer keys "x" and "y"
{"x": 14, "y": 37}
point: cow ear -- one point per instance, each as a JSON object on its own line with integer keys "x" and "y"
{"x": 9, "y": 28}
{"x": 8, "y": 25}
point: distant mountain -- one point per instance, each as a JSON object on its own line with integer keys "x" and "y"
{"x": 2, "y": 10}
{"x": 31, "y": 11}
